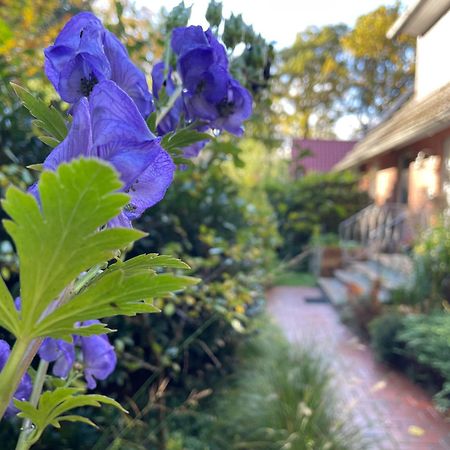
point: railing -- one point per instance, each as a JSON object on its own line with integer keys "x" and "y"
{"x": 387, "y": 228}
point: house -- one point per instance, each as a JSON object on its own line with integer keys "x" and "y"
{"x": 406, "y": 158}
{"x": 322, "y": 155}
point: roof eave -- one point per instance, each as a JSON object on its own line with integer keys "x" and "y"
{"x": 431, "y": 129}
{"x": 419, "y": 18}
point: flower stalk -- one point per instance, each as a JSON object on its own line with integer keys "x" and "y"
{"x": 13, "y": 372}
{"x": 173, "y": 98}
{"x": 23, "y": 442}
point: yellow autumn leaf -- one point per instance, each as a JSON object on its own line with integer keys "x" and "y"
{"x": 378, "y": 386}
{"x": 414, "y": 430}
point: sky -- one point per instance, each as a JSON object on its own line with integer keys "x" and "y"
{"x": 280, "y": 20}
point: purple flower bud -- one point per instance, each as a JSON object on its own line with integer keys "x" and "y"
{"x": 25, "y": 387}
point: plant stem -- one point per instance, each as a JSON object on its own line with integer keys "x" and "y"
{"x": 87, "y": 277}
{"x": 12, "y": 373}
{"x": 173, "y": 98}
{"x": 23, "y": 443}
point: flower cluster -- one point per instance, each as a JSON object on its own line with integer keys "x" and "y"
{"x": 90, "y": 68}
{"x": 97, "y": 356}
{"x": 210, "y": 95}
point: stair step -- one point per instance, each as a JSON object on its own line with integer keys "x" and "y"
{"x": 334, "y": 290}
{"x": 390, "y": 279}
{"x": 398, "y": 262}
{"x": 353, "y": 278}
{"x": 360, "y": 285}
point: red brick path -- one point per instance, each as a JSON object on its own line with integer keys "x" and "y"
{"x": 393, "y": 413}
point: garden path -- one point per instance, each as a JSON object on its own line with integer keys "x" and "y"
{"x": 392, "y": 412}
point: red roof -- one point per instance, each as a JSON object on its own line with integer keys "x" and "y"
{"x": 325, "y": 153}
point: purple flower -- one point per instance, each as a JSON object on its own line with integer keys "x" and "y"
{"x": 98, "y": 357}
{"x": 110, "y": 127}
{"x": 61, "y": 353}
{"x": 84, "y": 54}
{"x": 23, "y": 392}
{"x": 233, "y": 109}
{"x": 210, "y": 94}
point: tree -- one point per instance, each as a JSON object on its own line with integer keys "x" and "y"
{"x": 381, "y": 69}
{"x": 313, "y": 77}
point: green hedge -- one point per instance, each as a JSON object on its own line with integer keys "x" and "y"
{"x": 314, "y": 202}
{"x": 419, "y": 345}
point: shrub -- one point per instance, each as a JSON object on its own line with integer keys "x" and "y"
{"x": 314, "y": 201}
{"x": 426, "y": 340}
{"x": 432, "y": 268}
{"x": 384, "y": 331}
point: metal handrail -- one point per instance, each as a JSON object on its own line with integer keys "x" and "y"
{"x": 376, "y": 227}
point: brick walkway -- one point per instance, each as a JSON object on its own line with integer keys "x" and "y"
{"x": 393, "y": 413}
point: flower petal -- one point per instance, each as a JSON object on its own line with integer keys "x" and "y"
{"x": 127, "y": 76}
{"x": 78, "y": 140}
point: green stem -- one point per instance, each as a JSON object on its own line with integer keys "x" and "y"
{"x": 12, "y": 373}
{"x": 87, "y": 277}
{"x": 173, "y": 98}
{"x": 23, "y": 443}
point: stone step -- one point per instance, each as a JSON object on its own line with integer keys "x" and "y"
{"x": 397, "y": 262}
{"x": 334, "y": 290}
{"x": 390, "y": 278}
{"x": 359, "y": 285}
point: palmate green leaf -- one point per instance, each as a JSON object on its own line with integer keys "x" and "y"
{"x": 126, "y": 288}
{"x": 49, "y": 119}
{"x": 58, "y": 241}
{"x": 53, "y": 406}
{"x": 9, "y": 317}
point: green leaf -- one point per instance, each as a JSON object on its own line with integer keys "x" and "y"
{"x": 183, "y": 138}
{"x": 50, "y": 141}
{"x": 126, "y": 288}
{"x": 9, "y": 318}
{"x": 49, "y": 118}
{"x": 58, "y": 241}
{"x": 36, "y": 167}
{"x": 53, "y": 406}
{"x": 151, "y": 122}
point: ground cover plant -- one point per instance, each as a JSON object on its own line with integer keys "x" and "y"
{"x": 285, "y": 398}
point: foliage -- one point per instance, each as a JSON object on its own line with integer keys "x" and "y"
{"x": 381, "y": 69}
{"x": 432, "y": 267}
{"x": 311, "y": 202}
{"x": 180, "y": 355}
{"x": 53, "y": 406}
{"x": 333, "y": 71}
{"x": 384, "y": 331}
{"x": 426, "y": 340}
{"x": 313, "y": 79}
{"x": 290, "y": 278}
{"x": 56, "y": 240}
{"x": 285, "y": 400}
